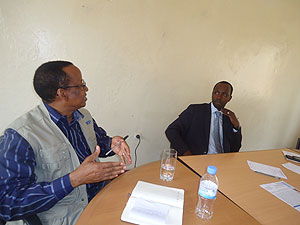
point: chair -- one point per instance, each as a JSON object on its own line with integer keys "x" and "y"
{"x": 30, "y": 220}
{"x": 298, "y": 144}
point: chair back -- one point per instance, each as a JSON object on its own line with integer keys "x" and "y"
{"x": 2, "y": 222}
{"x": 30, "y": 220}
{"x": 298, "y": 144}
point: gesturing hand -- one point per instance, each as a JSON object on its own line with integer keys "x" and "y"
{"x": 90, "y": 171}
{"x": 122, "y": 149}
{"x": 235, "y": 122}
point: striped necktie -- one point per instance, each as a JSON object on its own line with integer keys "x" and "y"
{"x": 217, "y": 138}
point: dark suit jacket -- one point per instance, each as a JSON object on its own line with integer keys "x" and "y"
{"x": 190, "y": 131}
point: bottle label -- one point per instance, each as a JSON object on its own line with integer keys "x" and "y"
{"x": 208, "y": 189}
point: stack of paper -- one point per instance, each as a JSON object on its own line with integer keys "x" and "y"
{"x": 292, "y": 154}
{"x": 154, "y": 204}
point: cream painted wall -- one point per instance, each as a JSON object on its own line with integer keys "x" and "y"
{"x": 145, "y": 61}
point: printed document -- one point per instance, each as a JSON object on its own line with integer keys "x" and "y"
{"x": 292, "y": 167}
{"x": 284, "y": 192}
{"x": 154, "y": 204}
{"x": 267, "y": 170}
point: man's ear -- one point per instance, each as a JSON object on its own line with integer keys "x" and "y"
{"x": 60, "y": 93}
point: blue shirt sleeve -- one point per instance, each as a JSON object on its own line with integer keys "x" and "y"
{"x": 20, "y": 193}
{"x": 103, "y": 140}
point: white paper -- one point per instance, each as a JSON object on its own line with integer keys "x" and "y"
{"x": 291, "y": 154}
{"x": 265, "y": 169}
{"x": 284, "y": 192}
{"x": 292, "y": 167}
{"x": 154, "y": 204}
{"x": 158, "y": 193}
{"x": 150, "y": 212}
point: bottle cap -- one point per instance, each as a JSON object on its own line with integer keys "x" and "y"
{"x": 212, "y": 170}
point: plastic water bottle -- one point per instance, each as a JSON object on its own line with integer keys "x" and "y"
{"x": 207, "y": 193}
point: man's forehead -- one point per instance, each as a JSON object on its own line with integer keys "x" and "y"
{"x": 223, "y": 87}
{"x": 70, "y": 69}
{"x": 72, "y": 72}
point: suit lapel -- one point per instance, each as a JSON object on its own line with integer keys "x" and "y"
{"x": 207, "y": 120}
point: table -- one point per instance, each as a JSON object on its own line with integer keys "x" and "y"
{"x": 107, "y": 206}
{"x": 240, "y": 184}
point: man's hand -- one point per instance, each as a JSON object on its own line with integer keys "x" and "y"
{"x": 90, "y": 171}
{"x": 122, "y": 149}
{"x": 232, "y": 117}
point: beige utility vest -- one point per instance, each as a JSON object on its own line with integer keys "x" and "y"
{"x": 55, "y": 157}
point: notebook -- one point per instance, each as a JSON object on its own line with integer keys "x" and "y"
{"x": 154, "y": 204}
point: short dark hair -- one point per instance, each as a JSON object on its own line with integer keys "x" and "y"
{"x": 48, "y": 78}
{"x": 225, "y": 82}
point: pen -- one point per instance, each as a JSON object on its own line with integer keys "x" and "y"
{"x": 267, "y": 175}
{"x": 113, "y": 148}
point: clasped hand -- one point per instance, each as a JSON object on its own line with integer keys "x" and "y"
{"x": 235, "y": 122}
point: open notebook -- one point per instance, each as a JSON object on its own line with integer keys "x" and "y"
{"x": 154, "y": 204}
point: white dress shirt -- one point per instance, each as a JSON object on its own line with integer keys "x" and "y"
{"x": 211, "y": 144}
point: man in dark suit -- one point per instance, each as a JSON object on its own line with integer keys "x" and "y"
{"x": 207, "y": 128}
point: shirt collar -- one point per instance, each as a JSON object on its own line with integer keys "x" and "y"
{"x": 213, "y": 108}
{"x": 56, "y": 116}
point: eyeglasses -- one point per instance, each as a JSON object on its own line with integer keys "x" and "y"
{"x": 77, "y": 86}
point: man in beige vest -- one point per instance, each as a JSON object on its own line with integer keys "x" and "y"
{"x": 49, "y": 162}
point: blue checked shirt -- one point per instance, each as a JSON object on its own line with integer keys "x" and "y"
{"x": 20, "y": 194}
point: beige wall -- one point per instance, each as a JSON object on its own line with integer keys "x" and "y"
{"x": 146, "y": 60}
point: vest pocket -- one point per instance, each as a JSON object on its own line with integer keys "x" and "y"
{"x": 55, "y": 161}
